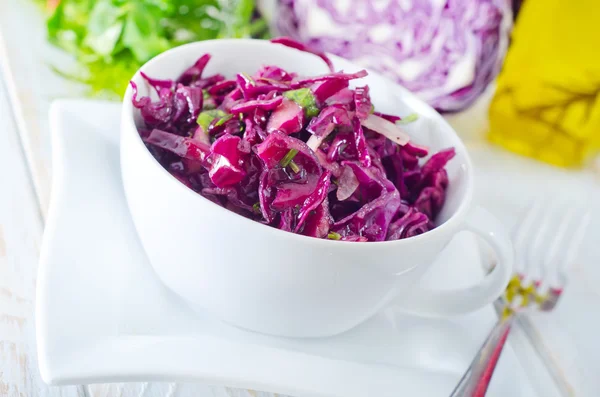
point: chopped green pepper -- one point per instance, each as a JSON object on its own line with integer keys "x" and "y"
{"x": 206, "y": 117}
{"x": 408, "y": 119}
{"x": 305, "y": 98}
{"x": 334, "y": 236}
{"x": 223, "y": 120}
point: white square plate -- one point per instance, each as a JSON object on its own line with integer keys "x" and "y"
{"x": 103, "y": 316}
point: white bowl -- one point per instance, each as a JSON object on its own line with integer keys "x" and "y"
{"x": 275, "y": 282}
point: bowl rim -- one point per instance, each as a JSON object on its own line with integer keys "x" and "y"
{"x": 128, "y": 123}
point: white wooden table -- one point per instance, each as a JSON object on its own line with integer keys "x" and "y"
{"x": 569, "y": 337}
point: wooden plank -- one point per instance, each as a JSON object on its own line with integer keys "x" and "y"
{"x": 156, "y": 389}
{"x": 20, "y": 235}
{"x": 25, "y": 58}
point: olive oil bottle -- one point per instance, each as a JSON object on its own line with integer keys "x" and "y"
{"x": 547, "y": 101}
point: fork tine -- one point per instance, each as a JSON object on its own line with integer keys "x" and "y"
{"x": 546, "y": 240}
{"x": 570, "y": 240}
{"x": 555, "y": 242}
{"x": 521, "y": 233}
{"x": 580, "y": 223}
{"x": 541, "y": 227}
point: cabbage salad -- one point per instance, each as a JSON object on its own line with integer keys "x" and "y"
{"x": 308, "y": 155}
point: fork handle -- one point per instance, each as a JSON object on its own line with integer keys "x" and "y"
{"x": 476, "y": 379}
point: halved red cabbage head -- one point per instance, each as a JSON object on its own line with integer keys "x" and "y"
{"x": 446, "y": 52}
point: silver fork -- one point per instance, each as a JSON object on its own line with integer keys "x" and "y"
{"x": 546, "y": 240}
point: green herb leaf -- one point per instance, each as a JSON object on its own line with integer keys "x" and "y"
{"x": 334, "y": 236}
{"x": 235, "y": 18}
{"x": 287, "y": 159}
{"x": 143, "y": 34}
{"x": 111, "y": 39}
{"x": 67, "y": 24}
{"x": 305, "y": 99}
{"x": 206, "y": 117}
{"x": 256, "y": 208}
{"x": 104, "y": 27}
{"x": 259, "y": 28}
{"x": 408, "y": 119}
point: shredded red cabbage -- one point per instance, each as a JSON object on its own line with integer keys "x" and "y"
{"x": 307, "y": 155}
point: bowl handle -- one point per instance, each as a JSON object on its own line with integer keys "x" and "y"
{"x": 428, "y": 302}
